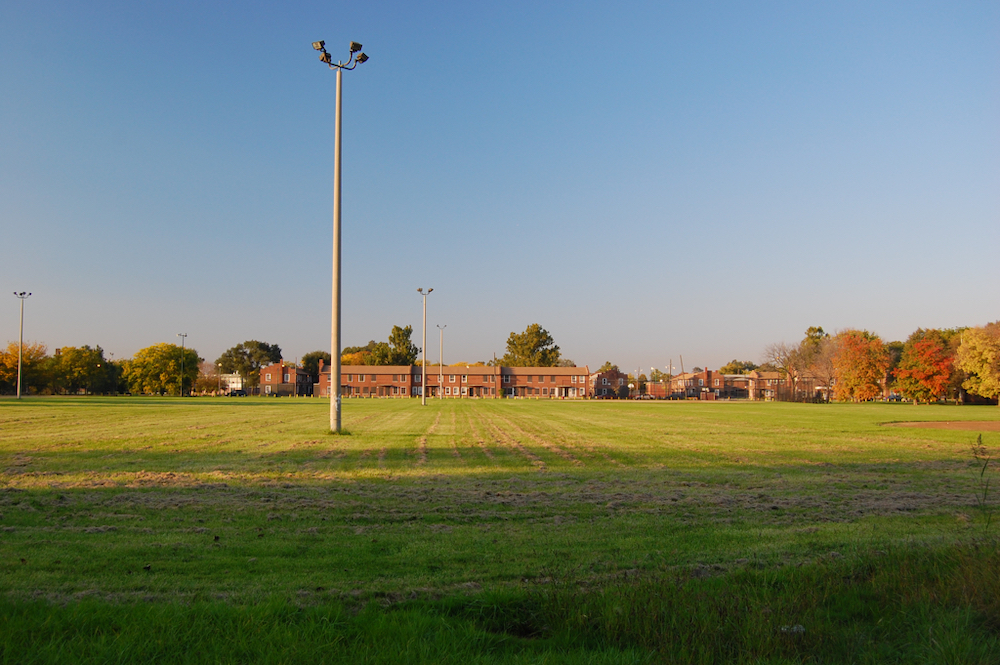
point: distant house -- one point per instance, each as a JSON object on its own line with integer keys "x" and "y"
{"x": 710, "y": 384}
{"x": 284, "y": 379}
{"x": 608, "y": 384}
{"x": 457, "y": 381}
{"x": 765, "y": 386}
{"x": 231, "y": 382}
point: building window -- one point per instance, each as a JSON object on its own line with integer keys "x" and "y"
{"x": 465, "y": 379}
{"x": 573, "y": 378}
{"x": 545, "y": 391}
{"x": 451, "y": 378}
{"x": 350, "y": 377}
{"x": 361, "y": 378}
{"x": 552, "y": 379}
{"x": 716, "y": 382}
{"x": 267, "y": 377}
{"x": 529, "y": 379}
{"x": 506, "y": 378}
{"x": 465, "y": 391}
{"x": 287, "y": 378}
{"x": 447, "y": 390}
{"x": 605, "y": 382}
{"x": 267, "y": 389}
{"x": 701, "y": 382}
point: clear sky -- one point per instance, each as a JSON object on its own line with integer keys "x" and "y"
{"x": 644, "y": 179}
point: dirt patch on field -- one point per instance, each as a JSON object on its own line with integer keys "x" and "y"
{"x": 968, "y": 425}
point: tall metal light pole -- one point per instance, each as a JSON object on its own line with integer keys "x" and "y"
{"x": 353, "y": 61}
{"x": 23, "y": 295}
{"x": 183, "y": 336}
{"x": 423, "y": 348}
{"x": 441, "y": 363}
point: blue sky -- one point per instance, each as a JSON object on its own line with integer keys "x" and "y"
{"x": 645, "y": 180}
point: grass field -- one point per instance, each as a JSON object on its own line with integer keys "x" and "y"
{"x": 240, "y": 530}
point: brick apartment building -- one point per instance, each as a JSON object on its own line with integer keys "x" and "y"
{"x": 457, "y": 381}
{"x": 284, "y": 379}
{"x": 765, "y": 386}
{"x": 610, "y": 384}
{"x": 709, "y": 384}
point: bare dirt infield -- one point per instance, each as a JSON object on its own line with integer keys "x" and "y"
{"x": 969, "y": 426}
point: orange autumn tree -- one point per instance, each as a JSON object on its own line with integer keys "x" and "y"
{"x": 925, "y": 368}
{"x": 860, "y": 364}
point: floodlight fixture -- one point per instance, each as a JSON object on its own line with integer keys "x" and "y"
{"x": 352, "y": 62}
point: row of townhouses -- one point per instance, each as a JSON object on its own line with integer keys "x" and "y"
{"x": 281, "y": 379}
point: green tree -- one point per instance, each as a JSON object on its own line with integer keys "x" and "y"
{"x": 532, "y": 348}
{"x": 608, "y": 367}
{"x": 979, "y": 357}
{"x": 157, "y": 369}
{"x": 73, "y": 369}
{"x": 310, "y": 363}
{"x": 247, "y": 358}
{"x": 402, "y": 350}
{"x": 738, "y": 367}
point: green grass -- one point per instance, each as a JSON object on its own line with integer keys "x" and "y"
{"x": 492, "y": 531}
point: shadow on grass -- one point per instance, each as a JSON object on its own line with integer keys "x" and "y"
{"x": 911, "y": 605}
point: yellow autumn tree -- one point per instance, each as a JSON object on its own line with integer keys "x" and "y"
{"x": 979, "y": 357}
{"x": 33, "y": 376}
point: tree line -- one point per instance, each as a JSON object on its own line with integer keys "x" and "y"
{"x": 158, "y": 369}
{"x": 168, "y": 369}
{"x": 931, "y": 365}
{"x": 853, "y": 365}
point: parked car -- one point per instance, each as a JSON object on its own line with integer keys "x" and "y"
{"x": 236, "y": 393}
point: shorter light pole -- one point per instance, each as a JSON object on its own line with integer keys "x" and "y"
{"x": 183, "y": 336}
{"x": 23, "y": 295}
{"x": 220, "y": 377}
{"x": 441, "y": 363}
{"x": 423, "y": 348}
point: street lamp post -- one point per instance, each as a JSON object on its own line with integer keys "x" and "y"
{"x": 355, "y": 59}
{"x": 23, "y": 295}
{"x": 441, "y": 362}
{"x": 219, "y": 372}
{"x": 423, "y": 348}
{"x": 183, "y": 336}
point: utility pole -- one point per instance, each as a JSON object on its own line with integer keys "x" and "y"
{"x": 441, "y": 363}
{"x": 183, "y": 336}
